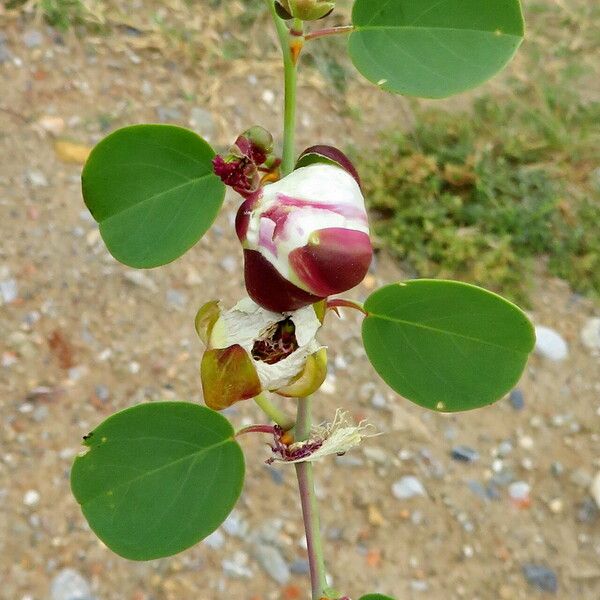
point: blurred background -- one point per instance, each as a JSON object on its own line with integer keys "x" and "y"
{"x": 499, "y": 187}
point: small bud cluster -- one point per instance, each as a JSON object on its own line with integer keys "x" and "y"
{"x": 248, "y": 162}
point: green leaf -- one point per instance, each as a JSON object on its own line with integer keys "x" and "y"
{"x": 153, "y": 191}
{"x": 376, "y": 597}
{"x": 434, "y": 48}
{"x": 446, "y": 345}
{"x": 158, "y": 478}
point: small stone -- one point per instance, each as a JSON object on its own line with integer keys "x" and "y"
{"x": 273, "y": 563}
{"x": 526, "y": 442}
{"x": 215, "y": 540}
{"x": 557, "y": 469}
{"x": 418, "y": 585}
{"x": 31, "y": 497}
{"x": 235, "y": 525}
{"x": 9, "y": 290}
{"x": 55, "y": 126}
{"x": 36, "y": 178}
{"x": 237, "y": 567}
{"x": 556, "y": 506}
{"x": 202, "y": 122}
{"x": 378, "y": 401}
{"x": 376, "y": 454}
{"x": 505, "y": 448}
{"x": 102, "y": 392}
{"x": 468, "y": 551}
{"x": 588, "y": 511}
{"x": 541, "y": 578}
{"x": 229, "y": 264}
{"x": 581, "y": 479}
{"x": 595, "y": 489}
{"x": 408, "y": 487}
{"x": 166, "y": 114}
{"x": 268, "y": 97}
{"x": 464, "y": 454}
{"x": 139, "y": 278}
{"x": 550, "y": 344}
{"x": 518, "y": 492}
{"x": 33, "y": 38}
{"x": 517, "y": 400}
{"x": 69, "y": 584}
{"x": 300, "y": 567}
{"x": 176, "y": 298}
{"x": 590, "y": 334}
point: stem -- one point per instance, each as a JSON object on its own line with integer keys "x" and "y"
{"x": 310, "y": 507}
{"x": 256, "y": 429}
{"x": 343, "y": 303}
{"x": 276, "y": 415}
{"x": 313, "y": 35}
{"x": 290, "y": 72}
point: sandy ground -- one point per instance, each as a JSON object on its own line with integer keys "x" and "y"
{"x": 85, "y": 337}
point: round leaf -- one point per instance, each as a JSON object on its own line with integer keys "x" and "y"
{"x": 446, "y": 345}
{"x": 158, "y": 478}
{"x": 434, "y": 48}
{"x": 153, "y": 191}
{"x": 376, "y": 597}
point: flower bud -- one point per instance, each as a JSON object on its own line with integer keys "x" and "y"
{"x": 307, "y": 10}
{"x": 250, "y": 350}
{"x": 247, "y": 162}
{"x": 306, "y": 236}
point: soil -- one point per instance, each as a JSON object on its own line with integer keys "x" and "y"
{"x": 84, "y": 338}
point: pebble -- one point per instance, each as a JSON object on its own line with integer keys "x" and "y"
{"x": 590, "y": 334}
{"x": 376, "y": 454}
{"x": 550, "y": 344}
{"x": 202, "y": 122}
{"x": 518, "y": 492}
{"x": 176, "y": 298}
{"x": 140, "y": 279}
{"x": 418, "y": 585}
{"x": 31, "y": 497}
{"x": 588, "y": 511}
{"x": 166, "y": 114}
{"x": 300, "y": 567}
{"x": 215, "y": 540}
{"x": 33, "y": 38}
{"x": 36, "y": 178}
{"x": 595, "y": 489}
{"x": 9, "y": 290}
{"x": 408, "y": 487}
{"x": 464, "y": 454}
{"x": 541, "y": 577}
{"x": 69, "y": 584}
{"x": 581, "y": 478}
{"x": 273, "y": 563}
{"x": 102, "y": 392}
{"x": 237, "y": 566}
{"x": 268, "y": 97}
{"x": 378, "y": 401}
{"x": 517, "y": 400}
{"x": 235, "y": 525}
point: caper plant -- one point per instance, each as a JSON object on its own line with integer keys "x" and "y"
{"x": 157, "y": 478}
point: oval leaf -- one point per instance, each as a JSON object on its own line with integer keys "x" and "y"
{"x": 446, "y": 345}
{"x": 153, "y": 191}
{"x": 376, "y": 597}
{"x": 434, "y": 48}
{"x": 158, "y": 478}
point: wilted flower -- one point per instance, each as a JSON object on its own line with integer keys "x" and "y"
{"x": 248, "y": 161}
{"x": 336, "y": 437}
{"x": 306, "y": 236}
{"x": 306, "y": 10}
{"x": 250, "y": 350}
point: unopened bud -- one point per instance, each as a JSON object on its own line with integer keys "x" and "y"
{"x": 307, "y": 10}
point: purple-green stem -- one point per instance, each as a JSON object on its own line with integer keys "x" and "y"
{"x": 310, "y": 507}
{"x": 304, "y": 470}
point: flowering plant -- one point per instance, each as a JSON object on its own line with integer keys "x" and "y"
{"x": 157, "y": 478}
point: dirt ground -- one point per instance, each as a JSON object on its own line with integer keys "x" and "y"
{"x": 84, "y": 336}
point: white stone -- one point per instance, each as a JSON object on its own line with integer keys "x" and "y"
{"x": 550, "y": 344}
{"x": 408, "y": 487}
{"x": 590, "y": 334}
{"x": 31, "y": 497}
{"x": 595, "y": 489}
